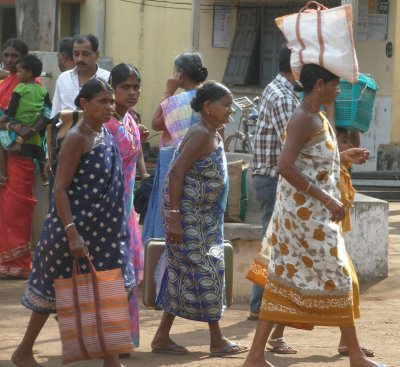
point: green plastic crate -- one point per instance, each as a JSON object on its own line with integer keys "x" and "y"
{"x": 354, "y": 103}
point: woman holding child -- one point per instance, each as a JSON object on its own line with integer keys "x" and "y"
{"x": 17, "y": 201}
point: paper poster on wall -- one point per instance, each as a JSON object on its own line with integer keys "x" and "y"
{"x": 222, "y": 23}
{"x": 372, "y": 20}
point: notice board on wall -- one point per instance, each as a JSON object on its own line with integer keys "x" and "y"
{"x": 222, "y": 23}
{"x": 372, "y": 20}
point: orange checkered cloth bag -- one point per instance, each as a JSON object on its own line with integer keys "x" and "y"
{"x": 93, "y": 314}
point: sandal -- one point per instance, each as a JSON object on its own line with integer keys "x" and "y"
{"x": 279, "y": 346}
{"x": 342, "y": 350}
{"x": 253, "y": 316}
{"x": 229, "y": 349}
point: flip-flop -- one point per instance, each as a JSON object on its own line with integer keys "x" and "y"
{"x": 367, "y": 352}
{"x": 279, "y": 346}
{"x": 172, "y": 348}
{"x": 227, "y": 350}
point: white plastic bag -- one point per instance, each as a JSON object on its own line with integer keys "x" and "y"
{"x": 321, "y": 36}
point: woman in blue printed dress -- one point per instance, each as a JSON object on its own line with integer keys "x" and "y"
{"x": 85, "y": 217}
{"x": 193, "y": 202}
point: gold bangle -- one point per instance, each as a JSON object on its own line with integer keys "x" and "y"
{"x": 69, "y": 226}
{"x": 308, "y": 187}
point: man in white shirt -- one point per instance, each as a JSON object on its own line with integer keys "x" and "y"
{"x": 85, "y": 53}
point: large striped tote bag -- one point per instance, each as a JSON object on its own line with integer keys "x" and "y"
{"x": 93, "y": 314}
{"x": 321, "y": 36}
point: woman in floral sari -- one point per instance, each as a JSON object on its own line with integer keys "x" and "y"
{"x": 125, "y": 80}
{"x": 309, "y": 280}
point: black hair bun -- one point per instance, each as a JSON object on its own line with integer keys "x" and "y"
{"x": 195, "y": 104}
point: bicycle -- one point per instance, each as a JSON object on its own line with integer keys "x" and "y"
{"x": 242, "y": 141}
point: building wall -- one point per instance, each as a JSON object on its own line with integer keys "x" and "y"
{"x": 215, "y": 59}
{"x": 146, "y": 36}
{"x": 395, "y": 90}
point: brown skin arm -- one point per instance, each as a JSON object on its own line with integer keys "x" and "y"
{"x": 301, "y": 127}
{"x": 72, "y": 148}
{"x": 141, "y": 165}
{"x": 198, "y": 143}
{"x": 157, "y": 122}
{"x": 173, "y": 83}
{"x": 354, "y": 155}
{"x": 26, "y": 132}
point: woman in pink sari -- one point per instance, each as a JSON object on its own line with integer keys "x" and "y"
{"x": 125, "y": 80}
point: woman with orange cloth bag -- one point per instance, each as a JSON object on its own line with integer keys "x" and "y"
{"x": 85, "y": 217}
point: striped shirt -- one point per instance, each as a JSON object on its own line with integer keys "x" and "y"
{"x": 278, "y": 101}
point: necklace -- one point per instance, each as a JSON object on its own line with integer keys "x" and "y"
{"x": 90, "y": 129}
{"x": 311, "y": 105}
{"x": 129, "y": 128}
{"x": 118, "y": 117}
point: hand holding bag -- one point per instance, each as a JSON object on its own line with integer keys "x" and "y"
{"x": 93, "y": 314}
{"x": 321, "y": 36}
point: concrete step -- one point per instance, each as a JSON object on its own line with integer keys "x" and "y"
{"x": 384, "y": 185}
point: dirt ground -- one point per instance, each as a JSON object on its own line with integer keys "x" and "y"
{"x": 379, "y": 328}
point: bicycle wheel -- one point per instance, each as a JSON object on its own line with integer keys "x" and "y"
{"x": 236, "y": 144}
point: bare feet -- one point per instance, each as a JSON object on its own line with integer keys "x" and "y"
{"x": 27, "y": 360}
{"x": 250, "y": 362}
{"x": 342, "y": 349}
{"x": 112, "y": 361}
{"x": 167, "y": 346}
{"x": 365, "y": 362}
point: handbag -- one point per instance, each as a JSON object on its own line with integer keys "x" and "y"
{"x": 56, "y": 130}
{"x": 321, "y": 36}
{"x": 93, "y": 314}
{"x": 7, "y": 138}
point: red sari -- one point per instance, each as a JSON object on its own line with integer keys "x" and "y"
{"x": 17, "y": 204}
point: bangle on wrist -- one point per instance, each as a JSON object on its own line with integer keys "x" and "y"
{"x": 19, "y": 140}
{"x": 174, "y": 211}
{"x": 7, "y": 126}
{"x": 308, "y": 187}
{"x": 69, "y": 225}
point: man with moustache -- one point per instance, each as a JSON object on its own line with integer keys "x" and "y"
{"x": 69, "y": 83}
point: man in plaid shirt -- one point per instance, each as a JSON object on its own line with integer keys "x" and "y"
{"x": 278, "y": 101}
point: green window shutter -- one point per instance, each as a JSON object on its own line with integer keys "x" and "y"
{"x": 242, "y": 65}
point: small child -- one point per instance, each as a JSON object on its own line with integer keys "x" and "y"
{"x": 347, "y": 193}
{"x": 345, "y": 186}
{"x": 28, "y": 102}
